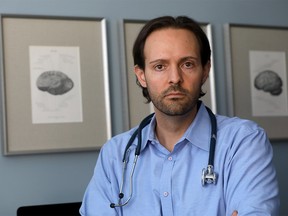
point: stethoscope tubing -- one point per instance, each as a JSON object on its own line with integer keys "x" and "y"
{"x": 208, "y": 175}
{"x": 213, "y": 137}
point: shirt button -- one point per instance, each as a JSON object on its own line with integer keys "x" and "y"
{"x": 170, "y": 158}
{"x": 165, "y": 194}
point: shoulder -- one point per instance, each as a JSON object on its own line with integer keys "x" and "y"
{"x": 237, "y": 125}
{"x": 234, "y": 132}
{"x": 239, "y": 139}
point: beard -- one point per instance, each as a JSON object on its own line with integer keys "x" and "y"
{"x": 175, "y": 106}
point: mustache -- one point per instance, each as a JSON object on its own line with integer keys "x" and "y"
{"x": 174, "y": 88}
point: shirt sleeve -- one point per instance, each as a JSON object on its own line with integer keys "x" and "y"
{"x": 252, "y": 187}
{"x": 97, "y": 197}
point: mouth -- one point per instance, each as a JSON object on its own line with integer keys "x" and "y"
{"x": 175, "y": 95}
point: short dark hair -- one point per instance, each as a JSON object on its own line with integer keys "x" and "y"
{"x": 180, "y": 22}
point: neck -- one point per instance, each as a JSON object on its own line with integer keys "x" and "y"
{"x": 169, "y": 129}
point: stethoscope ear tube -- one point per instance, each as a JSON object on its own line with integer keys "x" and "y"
{"x": 208, "y": 174}
{"x": 143, "y": 124}
{"x": 212, "y": 138}
{"x": 138, "y": 133}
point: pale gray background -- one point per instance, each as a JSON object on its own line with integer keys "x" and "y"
{"x": 62, "y": 177}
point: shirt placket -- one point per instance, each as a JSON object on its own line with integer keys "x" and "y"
{"x": 166, "y": 186}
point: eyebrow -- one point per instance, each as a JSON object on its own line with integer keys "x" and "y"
{"x": 181, "y": 60}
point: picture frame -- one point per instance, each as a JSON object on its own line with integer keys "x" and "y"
{"x": 137, "y": 109}
{"x": 256, "y": 59}
{"x": 55, "y": 84}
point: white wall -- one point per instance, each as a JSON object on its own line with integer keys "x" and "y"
{"x": 62, "y": 177}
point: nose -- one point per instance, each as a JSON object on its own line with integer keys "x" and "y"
{"x": 175, "y": 75}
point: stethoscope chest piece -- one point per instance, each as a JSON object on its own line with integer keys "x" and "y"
{"x": 208, "y": 176}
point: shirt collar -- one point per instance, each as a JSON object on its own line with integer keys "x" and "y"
{"x": 198, "y": 133}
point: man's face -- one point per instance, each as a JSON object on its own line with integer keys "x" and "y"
{"x": 173, "y": 72}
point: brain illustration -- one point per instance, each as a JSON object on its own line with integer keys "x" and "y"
{"x": 268, "y": 81}
{"x": 54, "y": 82}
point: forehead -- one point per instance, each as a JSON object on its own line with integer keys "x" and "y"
{"x": 171, "y": 40}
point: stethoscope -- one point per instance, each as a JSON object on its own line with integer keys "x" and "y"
{"x": 208, "y": 174}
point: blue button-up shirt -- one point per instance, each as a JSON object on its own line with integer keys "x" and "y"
{"x": 169, "y": 183}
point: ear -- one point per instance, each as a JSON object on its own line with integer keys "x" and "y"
{"x": 206, "y": 71}
{"x": 140, "y": 74}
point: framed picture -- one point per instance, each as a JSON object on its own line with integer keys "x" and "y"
{"x": 137, "y": 108}
{"x": 55, "y": 93}
{"x": 257, "y": 74}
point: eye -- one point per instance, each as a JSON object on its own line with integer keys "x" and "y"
{"x": 188, "y": 65}
{"x": 159, "y": 67}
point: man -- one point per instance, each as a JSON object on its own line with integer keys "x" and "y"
{"x": 172, "y": 62}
